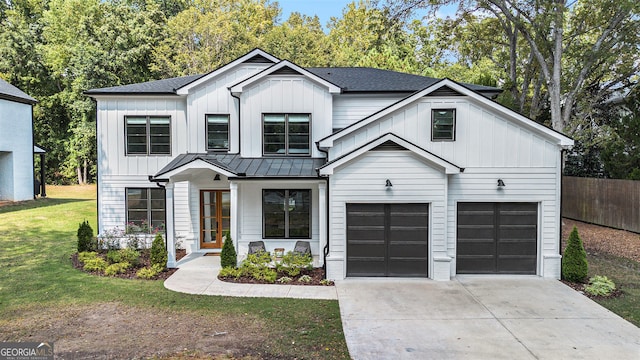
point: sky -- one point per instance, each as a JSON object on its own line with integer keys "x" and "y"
{"x": 325, "y": 9}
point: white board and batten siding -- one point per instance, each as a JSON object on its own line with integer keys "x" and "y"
{"x": 213, "y": 97}
{"x": 350, "y": 108}
{"x": 284, "y": 94}
{"x": 487, "y": 146}
{"x": 363, "y": 181}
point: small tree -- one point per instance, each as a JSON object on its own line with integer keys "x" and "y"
{"x": 85, "y": 235}
{"x": 228, "y": 256}
{"x": 158, "y": 252}
{"x": 574, "y": 260}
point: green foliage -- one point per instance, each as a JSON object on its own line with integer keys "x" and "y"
{"x": 87, "y": 255}
{"x": 158, "y": 254}
{"x": 326, "y": 282}
{"x": 85, "y": 237}
{"x": 123, "y": 255}
{"x": 257, "y": 266}
{"x": 305, "y": 279}
{"x": 97, "y": 264}
{"x": 600, "y": 286}
{"x": 293, "y": 263}
{"x": 117, "y": 268}
{"x": 229, "y": 272}
{"x": 228, "y": 256}
{"x": 285, "y": 280}
{"x": 149, "y": 272}
{"x": 574, "y": 259}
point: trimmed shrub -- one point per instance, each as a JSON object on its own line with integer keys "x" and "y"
{"x": 87, "y": 255}
{"x": 158, "y": 254}
{"x": 149, "y": 272}
{"x": 85, "y": 236}
{"x": 293, "y": 263}
{"x": 229, "y": 272}
{"x": 117, "y": 268}
{"x": 123, "y": 255}
{"x": 574, "y": 259}
{"x": 97, "y": 264}
{"x": 600, "y": 286}
{"x": 257, "y": 267}
{"x": 228, "y": 256}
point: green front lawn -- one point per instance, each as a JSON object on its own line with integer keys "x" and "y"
{"x": 38, "y": 237}
{"x": 626, "y": 274}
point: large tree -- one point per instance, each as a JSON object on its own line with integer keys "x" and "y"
{"x": 573, "y": 45}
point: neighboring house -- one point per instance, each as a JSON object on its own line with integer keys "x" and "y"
{"x": 16, "y": 144}
{"x": 383, "y": 173}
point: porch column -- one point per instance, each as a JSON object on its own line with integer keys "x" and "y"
{"x": 170, "y": 228}
{"x": 322, "y": 220}
{"x": 233, "y": 188}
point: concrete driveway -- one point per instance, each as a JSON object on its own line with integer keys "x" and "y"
{"x": 479, "y": 318}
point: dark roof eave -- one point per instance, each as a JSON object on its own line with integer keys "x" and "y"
{"x": 18, "y": 99}
{"x": 107, "y": 93}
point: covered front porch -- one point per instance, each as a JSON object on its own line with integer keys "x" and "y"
{"x": 278, "y": 201}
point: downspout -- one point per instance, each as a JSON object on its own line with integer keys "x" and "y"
{"x": 326, "y": 246}
{"x": 33, "y": 156}
{"x": 562, "y": 155}
{"x": 160, "y": 185}
{"x": 239, "y": 137}
{"x": 95, "y": 102}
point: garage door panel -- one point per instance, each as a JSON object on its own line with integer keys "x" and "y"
{"x": 387, "y": 239}
{"x": 497, "y": 238}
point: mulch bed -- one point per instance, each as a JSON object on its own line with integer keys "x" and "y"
{"x": 316, "y": 275}
{"x": 130, "y": 273}
{"x": 579, "y": 287}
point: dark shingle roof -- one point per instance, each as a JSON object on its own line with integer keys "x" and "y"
{"x": 356, "y": 79}
{"x": 10, "y": 92}
{"x": 360, "y": 79}
{"x": 165, "y": 86}
{"x": 251, "y": 167}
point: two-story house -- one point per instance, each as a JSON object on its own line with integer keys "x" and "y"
{"x": 383, "y": 173}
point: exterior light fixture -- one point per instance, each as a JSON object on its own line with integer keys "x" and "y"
{"x": 216, "y": 178}
{"x": 500, "y": 184}
{"x": 388, "y": 184}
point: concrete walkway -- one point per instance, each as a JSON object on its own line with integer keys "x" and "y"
{"x": 198, "y": 274}
{"x": 479, "y": 318}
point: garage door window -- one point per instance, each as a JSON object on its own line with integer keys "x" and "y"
{"x": 286, "y": 214}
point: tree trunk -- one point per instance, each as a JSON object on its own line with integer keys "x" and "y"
{"x": 79, "y": 172}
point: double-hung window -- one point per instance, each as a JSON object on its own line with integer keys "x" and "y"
{"x": 148, "y": 135}
{"x": 145, "y": 209}
{"x": 286, "y": 214}
{"x": 443, "y": 124}
{"x": 286, "y": 134}
{"x": 217, "y": 132}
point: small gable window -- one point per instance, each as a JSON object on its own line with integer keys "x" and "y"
{"x": 443, "y": 124}
{"x": 286, "y": 134}
{"x": 148, "y": 135}
{"x": 217, "y": 132}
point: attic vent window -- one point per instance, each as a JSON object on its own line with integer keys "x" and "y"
{"x": 443, "y": 124}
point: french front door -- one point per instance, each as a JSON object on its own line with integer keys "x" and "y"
{"x": 215, "y": 217}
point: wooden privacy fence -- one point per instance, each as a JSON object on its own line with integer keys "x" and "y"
{"x": 608, "y": 202}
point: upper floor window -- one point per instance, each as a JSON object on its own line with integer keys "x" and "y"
{"x": 148, "y": 135}
{"x": 217, "y": 132}
{"x": 443, "y": 124}
{"x": 286, "y": 134}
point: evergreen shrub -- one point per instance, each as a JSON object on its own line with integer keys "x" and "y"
{"x": 574, "y": 259}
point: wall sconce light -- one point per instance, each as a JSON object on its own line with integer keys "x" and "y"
{"x": 500, "y": 184}
{"x": 216, "y": 178}
{"x": 388, "y": 184}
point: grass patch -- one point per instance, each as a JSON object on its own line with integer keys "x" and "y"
{"x": 38, "y": 237}
{"x": 626, "y": 274}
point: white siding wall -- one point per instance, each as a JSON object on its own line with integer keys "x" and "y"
{"x": 213, "y": 97}
{"x": 363, "y": 181}
{"x": 250, "y": 212}
{"x": 284, "y": 94}
{"x": 16, "y": 151}
{"x": 111, "y": 133}
{"x": 348, "y": 108}
{"x": 483, "y": 139}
